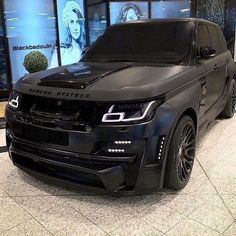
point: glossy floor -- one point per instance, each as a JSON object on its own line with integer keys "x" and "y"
{"x": 2, "y": 108}
{"x": 207, "y": 206}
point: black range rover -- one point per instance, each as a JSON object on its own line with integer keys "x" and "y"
{"x": 126, "y": 118}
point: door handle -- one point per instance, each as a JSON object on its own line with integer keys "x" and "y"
{"x": 216, "y": 67}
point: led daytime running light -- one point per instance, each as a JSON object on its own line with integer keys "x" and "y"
{"x": 120, "y": 116}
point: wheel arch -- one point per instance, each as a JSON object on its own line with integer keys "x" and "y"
{"x": 188, "y": 111}
{"x": 192, "y": 113}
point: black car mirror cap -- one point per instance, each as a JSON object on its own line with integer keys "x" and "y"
{"x": 207, "y": 52}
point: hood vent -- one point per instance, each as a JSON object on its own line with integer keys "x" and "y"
{"x": 79, "y": 76}
{"x": 60, "y": 94}
{"x": 40, "y": 91}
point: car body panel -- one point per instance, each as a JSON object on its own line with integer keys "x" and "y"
{"x": 81, "y": 154}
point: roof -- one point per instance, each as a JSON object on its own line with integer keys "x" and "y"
{"x": 153, "y": 21}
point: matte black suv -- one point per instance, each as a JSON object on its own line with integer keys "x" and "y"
{"x": 127, "y": 116}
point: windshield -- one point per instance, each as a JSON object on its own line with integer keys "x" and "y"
{"x": 164, "y": 42}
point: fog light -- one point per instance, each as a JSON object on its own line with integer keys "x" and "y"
{"x": 116, "y": 150}
{"x": 123, "y": 142}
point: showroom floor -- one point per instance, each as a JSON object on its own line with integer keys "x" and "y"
{"x": 2, "y": 108}
{"x": 207, "y": 206}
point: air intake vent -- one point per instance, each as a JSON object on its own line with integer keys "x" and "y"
{"x": 40, "y": 91}
{"x": 59, "y": 94}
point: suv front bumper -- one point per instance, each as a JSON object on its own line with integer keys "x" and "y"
{"x": 84, "y": 160}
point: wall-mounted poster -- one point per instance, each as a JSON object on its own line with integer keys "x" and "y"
{"x": 235, "y": 45}
{"x": 97, "y": 20}
{"x": 170, "y": 9}
{"x": 3, "y": 70}
{"x": 128, "y": 11}
{"x": 30, "y": 26}
{"x": 72, "y": 35}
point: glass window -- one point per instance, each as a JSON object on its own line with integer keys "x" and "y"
{"x": 165, "y": 42}
{"x": 72, "y": 32}
{"x": 221, "y": 37}
{"x": 3, "y": 71}
{"x": 212, "y": 10}
{"x": 97, "y": 20}
{"x": 215, "y": 42}
{"x": 170, "y": 9}
{"x": 230, "y": 24}
{"x": 30, "y": 26}
{"x": 203, "y": 37}
{"x": 128, "y": 11}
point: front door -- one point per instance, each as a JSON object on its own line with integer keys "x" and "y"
{"x": 208, "y": 67}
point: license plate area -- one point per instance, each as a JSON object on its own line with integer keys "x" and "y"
{"x": 37, "y": 134}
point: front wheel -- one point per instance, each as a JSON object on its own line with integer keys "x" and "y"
{"x": 181, "y": 154}
{"x": 229, "y": 109}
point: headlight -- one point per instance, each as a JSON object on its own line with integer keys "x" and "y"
{"x": 130, "y": 112}
{"x": 14, "y": 100}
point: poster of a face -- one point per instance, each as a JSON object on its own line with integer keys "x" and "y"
{"x": 170, "y": 9}
{"x": 30, "y": 26}
{"x": 128, "y": 11}
{"x": 71, "y": 30}
{"x": 3, "y": 72}
{"x": 97, "y": 20}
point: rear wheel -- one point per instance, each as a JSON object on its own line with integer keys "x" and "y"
{"x": 229, "y": 109}
{"x": 181, "y": 154}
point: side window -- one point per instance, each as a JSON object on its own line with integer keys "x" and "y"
{"x": 223, "y": 43}
{"x": 203, "y": 37}
{"x": 215, "y": 42}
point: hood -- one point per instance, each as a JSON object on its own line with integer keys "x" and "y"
{"x": 103, "y": 81}
{"x": 76, "y": 76}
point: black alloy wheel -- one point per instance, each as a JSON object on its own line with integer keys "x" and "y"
{"x": 181, "y": 154}
{"x": 233, "y": 97}
{"x": 186, "y": 152}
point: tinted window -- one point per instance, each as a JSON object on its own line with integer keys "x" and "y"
{"x": 215, "y": 42}
{"x": 223, "y": 43}
{"x": 203, "y": 37}
{"x": 167, "y": 42}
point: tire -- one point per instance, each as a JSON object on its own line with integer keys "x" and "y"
{"x": 181, "y": 154}
{"x": 229, "y": 109}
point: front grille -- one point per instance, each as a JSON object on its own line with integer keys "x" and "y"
{"x": 50, "y": 112}
{"x": 37, "y": 134}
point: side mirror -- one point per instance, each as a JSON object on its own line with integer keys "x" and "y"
{"x": 207, "y": 52}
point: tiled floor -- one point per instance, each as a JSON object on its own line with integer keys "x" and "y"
{"x": 207, "y": 206}
{"x": 2, "y": 108}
